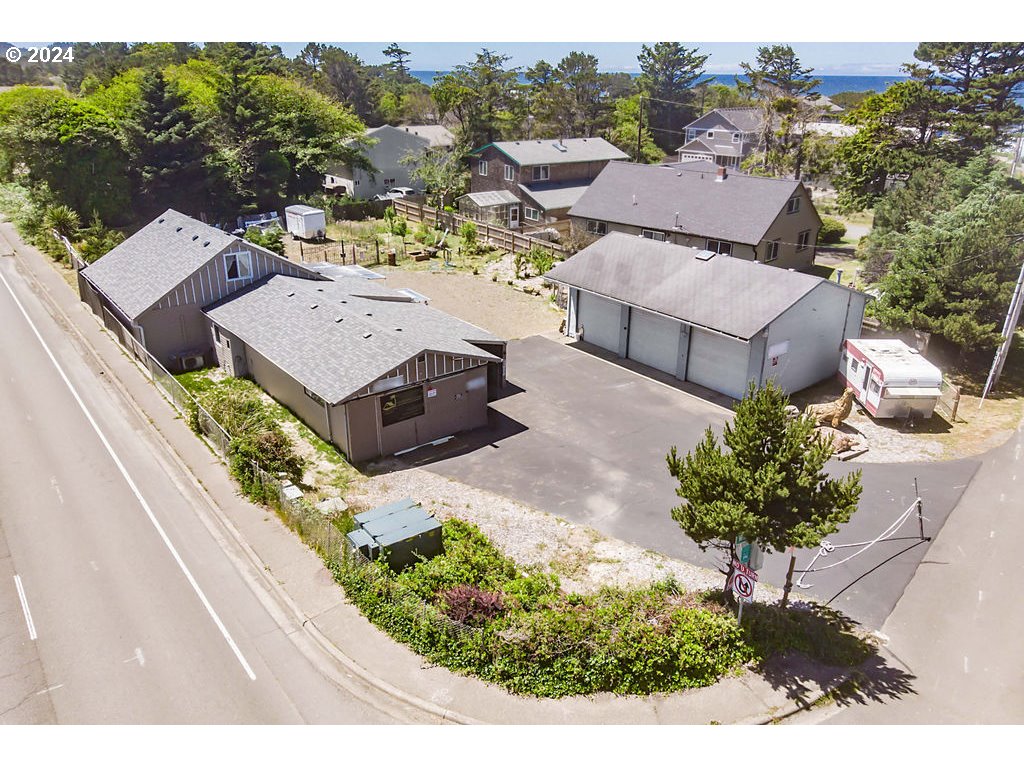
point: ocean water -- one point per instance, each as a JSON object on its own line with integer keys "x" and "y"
{"x": 830, "y": 84}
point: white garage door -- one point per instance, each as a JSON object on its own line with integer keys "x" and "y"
{"x": 600, "y": 319}
{"x": 718, "y": 363}
{"x": 653, "y": 340}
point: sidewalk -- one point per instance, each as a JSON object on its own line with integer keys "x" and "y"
{"x": 305, "y": 589}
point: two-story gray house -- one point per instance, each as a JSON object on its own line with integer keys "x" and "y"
{"x": 385, "y": 148}
{"x": 533, "y": 183}
{"x": 723, "y": 136}
{"x": 704, "y": 206}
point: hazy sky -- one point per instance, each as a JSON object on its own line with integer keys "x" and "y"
{"x": 826, "y": 58}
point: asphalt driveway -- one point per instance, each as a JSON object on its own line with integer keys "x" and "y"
{"x": 585, "y": 438}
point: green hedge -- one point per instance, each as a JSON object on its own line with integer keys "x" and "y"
{"x": 832, "y": 231}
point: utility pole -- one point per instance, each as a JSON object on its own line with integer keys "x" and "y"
{"x": 1009, "y": 330}
{"x": 639, "y": 128}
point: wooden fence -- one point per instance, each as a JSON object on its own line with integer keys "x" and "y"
{"x": 500, "y": 237}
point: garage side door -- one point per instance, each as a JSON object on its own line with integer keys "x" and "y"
{"x": 718, "y": 363}
{"x": 599, "y": 318}
{"x": 653, "y": 340}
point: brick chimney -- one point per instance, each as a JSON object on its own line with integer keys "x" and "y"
{"x": 720, "y": 175}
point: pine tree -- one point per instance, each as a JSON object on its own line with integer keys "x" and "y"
{"x": 670, "y": 73}
{"x": 770, "y": 486}
{"x": 169, "y": 147}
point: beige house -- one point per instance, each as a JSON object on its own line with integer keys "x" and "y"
{"x": 703, "y": 206}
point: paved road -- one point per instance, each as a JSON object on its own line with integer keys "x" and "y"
{"x": 586, "y": 439}
{"x": 124, "y": 604}
{"x": 955, "y": 636}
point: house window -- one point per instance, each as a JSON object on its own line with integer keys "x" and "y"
{"x": 802, "y": 239}
{"x": 650, "y": 234}
{"x": 719, "y": 246}
{"x": 711, "y": 134}
{"x": 401, "y": 405}
{"x": 238, "y": 266}
{"x": 793, "y": 205}
{"x": 541, "y": 172}
{"x": 597, "y": 227}
{"x": 532, "y": 214}
{"x": 216, "y": 334}
{"x": 355, "y": 183}
{"x": 510, "y": 172}
{"x": 771, "y": 251}
{"x": 314, "y": 396}
{"x": 691, "y": 134}
{"x": 481, "y": 168}
{"x": 389, "y": 182}
{"x": 735, "y": 138}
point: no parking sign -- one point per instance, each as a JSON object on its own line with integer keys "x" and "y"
{"x": 743, "y": 581}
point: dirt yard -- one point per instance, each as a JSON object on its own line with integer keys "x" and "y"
{"x": 492, "y": 305}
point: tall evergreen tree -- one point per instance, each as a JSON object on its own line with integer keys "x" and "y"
{"x": 770, "y": 487}
{"x": 484, "y": 97}
{"x": 669, "y": 74}
{"x": 169, "y": 146}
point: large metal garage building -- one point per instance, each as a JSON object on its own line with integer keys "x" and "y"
{"x": 709, "y": 319}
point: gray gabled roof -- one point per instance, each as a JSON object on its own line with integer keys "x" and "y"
{"x": 743, "y": 119}
{"x": 739, "y": 209}
{"x": 294, "y": 323}
{"x": 708, "y": 145}
{"x": 552, "y": 195}
{"x": 725, "y": 294}
{"x": 495, "y": 197}
{"x": 554, "y": 151}
{"x": 142, "y": 269}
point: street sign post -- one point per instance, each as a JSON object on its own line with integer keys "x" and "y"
{"x": 742, "y": 584}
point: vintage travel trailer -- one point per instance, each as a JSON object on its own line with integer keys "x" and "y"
{"x": 890, "y": 379}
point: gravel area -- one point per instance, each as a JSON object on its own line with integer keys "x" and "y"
{"x": 493, "y": 306}
{"x": 584, "y": 559}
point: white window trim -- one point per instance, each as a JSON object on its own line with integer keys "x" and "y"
{"x": 793, "y": 205}
{"x": 653, "y": 234}
{"x": 772, "y": 246}
{"x": 803, "y": 239}
{"x": 735, "y": 138}
{"x": 510, "y": 172}
{"x": 481, "y": 168}
{"x": 718, "y": 244}
{"x": 527, "y": 210}
{"x": 247, "y": 261}
{"x": 541, "y": 172}
{"x": 595, "y": 227}
{"x": 389, "y": 182}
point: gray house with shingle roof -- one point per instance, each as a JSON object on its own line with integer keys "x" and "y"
{"x": 703, "y": 206}
{"x": 537, "y": 180}
{"x": 156, "y": 282}
{"x": 369, "y": 369}
{"x": 713, "y": 320}
{"x": 723, "y": 136}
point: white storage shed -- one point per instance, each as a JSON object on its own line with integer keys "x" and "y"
{"x": 305, "y": 221}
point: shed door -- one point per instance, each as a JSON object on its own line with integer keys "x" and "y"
{"x": 653, "y": 340}
{"x": 599, "y": 319}
{"x": 718, "y": 363}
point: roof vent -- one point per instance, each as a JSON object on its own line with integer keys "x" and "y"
{"x": 313, "y": 306}
{"x": 367, "y": 335}
{"x": 205, "y": 243}
{"x": 195, "y": 237}
{"x": 369, "y": 314}
{"x": 290, "y": 293}
{"x": 398, "y": 329}
{"x": 338, "y": 319}
{"x": 705, "y": 255}
{"x": 320, "y": 289}
{"x": 177, "y": 229}
{"x": 161, "y": 221}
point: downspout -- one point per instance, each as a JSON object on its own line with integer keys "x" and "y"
{"x": 327, "y": 415}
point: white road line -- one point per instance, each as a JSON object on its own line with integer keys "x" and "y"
{"x": 53, "y": 482}
{"x": 51, "y": 688}
{"x": 135, "y": 490}
{"x": 136, "y": 657}
{"x": 24, "y": 608}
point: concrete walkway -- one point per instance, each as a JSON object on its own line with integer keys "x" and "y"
{"x": 305, "y": 590}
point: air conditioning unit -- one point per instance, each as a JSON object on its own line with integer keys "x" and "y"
{"x": 192, "y": 362}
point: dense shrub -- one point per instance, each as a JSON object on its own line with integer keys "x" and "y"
{"x": 268, "y": 238}
{"x": 468, "y": 233}
{"x": 470, "y": 605}
{"x": 832, "y": 231}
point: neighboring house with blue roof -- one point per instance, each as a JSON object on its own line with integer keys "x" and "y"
{"x": 371, "y": 370}
{"x": 532, "y": 184}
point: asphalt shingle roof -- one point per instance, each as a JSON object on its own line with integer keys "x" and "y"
{"x": 730, "y": 295}
{"x": 552, "y": 195}
{"x": 293, "y": 322}
{"x": 139, "y": 271}
{"x": 547, "y": 152}
{"x": 739, "y": 209}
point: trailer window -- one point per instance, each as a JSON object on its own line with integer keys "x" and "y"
{"x": 854, "y": 365}
{"x": 873, "y": 386}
